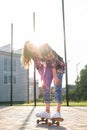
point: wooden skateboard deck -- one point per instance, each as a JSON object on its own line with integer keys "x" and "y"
{"x": 49, "y": 121}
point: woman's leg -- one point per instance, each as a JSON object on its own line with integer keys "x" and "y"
{"x": 46, "y": 92}
{"x": 58, "y": 107}
{"x": 58, "y": 93}
{"x": 46, "y": 89}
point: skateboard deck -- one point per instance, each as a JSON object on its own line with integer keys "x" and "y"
{"x": 49, "y": 121}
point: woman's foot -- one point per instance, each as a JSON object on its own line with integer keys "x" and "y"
{"x": 56, "y": 115}
{"x": 43, "y": 114}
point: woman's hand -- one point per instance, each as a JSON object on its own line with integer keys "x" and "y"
{"x": 56, "y": 80}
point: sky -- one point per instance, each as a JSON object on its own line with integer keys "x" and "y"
{"x": 48, "y": 28}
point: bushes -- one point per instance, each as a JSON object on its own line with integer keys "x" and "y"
{"x": 75, "y": 95}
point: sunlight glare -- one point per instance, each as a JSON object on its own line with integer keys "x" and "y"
{"x": 38, "y": 38}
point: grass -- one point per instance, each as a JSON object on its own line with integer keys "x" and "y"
{"x": 81, "y": 103}
{"x": 71, "y": 103}
{"x": 64, "y": 104}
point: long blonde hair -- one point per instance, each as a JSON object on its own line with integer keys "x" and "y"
{"x": 26, "y": 57}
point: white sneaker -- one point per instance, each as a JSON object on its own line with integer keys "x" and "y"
{"x": 56, "y": 115}
{"x": 43, "y": 114}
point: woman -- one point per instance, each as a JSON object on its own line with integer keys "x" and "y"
{"x": 50, "y": 66}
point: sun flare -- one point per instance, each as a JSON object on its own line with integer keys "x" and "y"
{"x": 38, "y": 38}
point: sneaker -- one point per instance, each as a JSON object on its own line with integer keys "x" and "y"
{"x": 56, "y": 115}
{"x": 43, "y": 114}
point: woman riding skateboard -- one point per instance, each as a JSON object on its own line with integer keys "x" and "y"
{"x": 50, "y": 67}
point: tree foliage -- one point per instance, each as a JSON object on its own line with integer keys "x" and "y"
{"x": 81, "y": 85}
{"x": 79, "y": 92}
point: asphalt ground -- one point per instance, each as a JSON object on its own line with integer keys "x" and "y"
{"x": 23, "y": 118}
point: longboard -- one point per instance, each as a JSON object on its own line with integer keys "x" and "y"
{"x": 49, "y": 121}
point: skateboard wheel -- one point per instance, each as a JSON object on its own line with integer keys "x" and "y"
{"x": 57, "y": 123}
{"x": 46, "y": 121}
{"x": 49, "y": 123}
{"x": 37, "y": 121}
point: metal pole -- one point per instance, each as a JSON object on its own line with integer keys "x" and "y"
{"x": 77, "y": 70}
{"x": 67, "y": 93}
{"x": 34, "y": 64}
{"x": 11, "y": 98}
{"x": 28, "y": 85}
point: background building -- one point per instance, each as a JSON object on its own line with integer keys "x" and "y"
{"x": 22, "y": 84}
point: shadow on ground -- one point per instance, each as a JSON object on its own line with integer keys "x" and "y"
{"x": 26, "y": 120}
{"x": 51, "y": 127}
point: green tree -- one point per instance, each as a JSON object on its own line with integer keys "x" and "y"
{"x": 81, "y": 85}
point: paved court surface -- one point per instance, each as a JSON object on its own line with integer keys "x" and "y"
{"x": 23, "y": 118}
